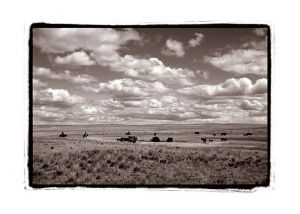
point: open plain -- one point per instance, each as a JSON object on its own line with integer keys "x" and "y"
{"x": 100, "y": 159}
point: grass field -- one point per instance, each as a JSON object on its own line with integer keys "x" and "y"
{"x": 102, "y": 160}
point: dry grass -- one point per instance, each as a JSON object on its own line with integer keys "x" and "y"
{"x": 73, "y": 161}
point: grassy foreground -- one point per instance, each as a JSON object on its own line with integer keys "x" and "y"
{"x": 106, "y": 164}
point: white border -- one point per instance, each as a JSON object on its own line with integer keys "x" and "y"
{"x": 283, "y": 18}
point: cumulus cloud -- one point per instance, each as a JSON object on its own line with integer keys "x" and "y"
{"x": 150, "y": 103}
{"x": 241, "y": 61}
{"x": 168, "y": 117}
{"x": 252, "y": 105}
{"x": 154, "y": 70}
{"x": 64, "y": 75}
{"x": 103, "y": 43}
{"x": 148, "y": 90}
{"x": 111, "y": 104}
{"x": 260, "y": 31}
{"x": 169, "y": 99}
{"x": 165, "y": 108}
{"x": 83, "y": 79}
{"x": 196, "y": 41}
{"x": 75, "y": 58}
{"x": 231, "y": 87}
{"x": 173, "y": 48}
{"x": 103, "y": 46}
{"x": 128, "y": 88}
{"x": 55, "y": 98}
{"x": 90, "y": 109}
{"x": 46, "y": 72}
{"x": 38, "y": 83}
{"x": 45, "y": 114}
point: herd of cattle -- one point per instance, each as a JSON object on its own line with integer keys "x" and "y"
{"x": 204, "y": 140}
{"x": 133, "y": 139}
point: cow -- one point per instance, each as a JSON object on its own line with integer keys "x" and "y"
{"x": 210, "y": 140}
{"x": 85, "y": 135}
{"x": 128, "y": 133}
{"x": 197, "y": 132}
{"x": 214, "y": 134}
{"x": 223, "y": 139}
{"x": 155, "y": 139}
{"x": 170, "y": 139}
{"x": 63, "y": 134}
{"x": 247, "y": 134}
{"x": 223, "y": 134}
{"x": 203, "y": 140}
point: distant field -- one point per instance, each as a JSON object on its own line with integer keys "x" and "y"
{"x": 102, "y": 160}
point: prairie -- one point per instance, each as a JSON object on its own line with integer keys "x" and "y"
{"x": 101, "y": 160}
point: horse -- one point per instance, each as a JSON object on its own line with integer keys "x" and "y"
{"x": 128, "y": 133}
{"x": 223, "y": 139}
{"x": 62, "y": 135}
{"x": 223, "y": 134}
{"x": 197, "y": 132}
{"x": 85, "y": 135}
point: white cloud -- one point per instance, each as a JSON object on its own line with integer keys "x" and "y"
{"x": 111, "y": 104}
{"x": 83, "y": 79}
{"x": 55, "y": 97}
{"x": 241, "y": 61}
{"x": 65, "y": 75}
{"x": 128, "y": 88}
{"x": 260, "y": 31}
{"x": 169, "y": 99}
{"x": 38, "y": 83}
{"x": 150, "y": 103}
{"x": 231, "y": 87}
{"x": 89, "y": 109}
{"x": 252, "y": 105}
{"x": 166, "y": 116}
{"x": 46, "y": 72}
{"x": 103, "y": 43}
{"x": 196, "y": 41}
{"x": 75, "y": 58}
{"x": 43, "y": 114}
{"x": 174, "y": 48}
{"x": 154, "y": 70}
{"x": 103, "y": 46}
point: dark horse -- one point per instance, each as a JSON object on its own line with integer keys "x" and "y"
{"x": 85, "y": 135}
{"x": 63, "y": 134}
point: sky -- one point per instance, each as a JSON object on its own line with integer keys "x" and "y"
{"x": 149, "y": 75}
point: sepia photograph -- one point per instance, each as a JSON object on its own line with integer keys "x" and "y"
{"x": 158, "y": 106}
